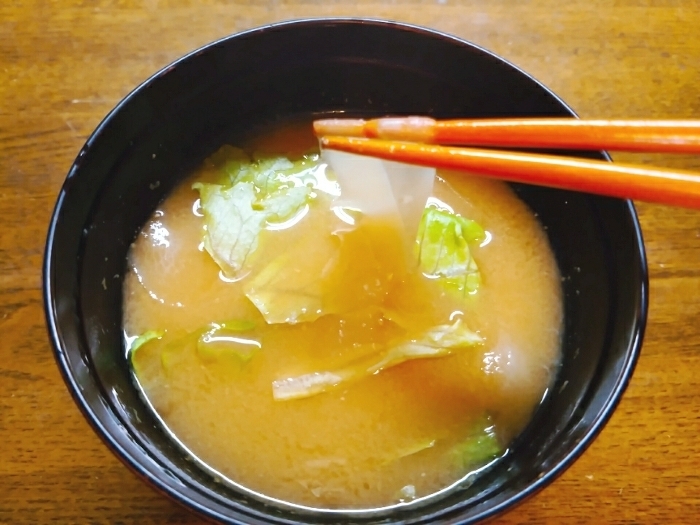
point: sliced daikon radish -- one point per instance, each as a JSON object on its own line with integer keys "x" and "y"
{"x": 382, "y": 188}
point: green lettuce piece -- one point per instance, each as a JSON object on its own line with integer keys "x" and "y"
{"x": 306, "y": 385}
{"x": 287, "y": 291}
{"x": 272, "y": 174}
{"x": 218, "y": 339}
{"x": 436, "y": 342}
{"x": 252, "y": 196}
{"x": 479, "y": 448}
{"x": 282, "y": 204}
{"x": 440, "y": 341}
{"x": 173, "y": 348}
{"x": 232, "y": 225}
{"x": 167, "y": 344}
{"x": 144, "y": 338}
{"x": 139, "y": 342}
{"x": 228, "y": 339}
{"x": 443, "y": 249}
{"x": 211, "y": 341}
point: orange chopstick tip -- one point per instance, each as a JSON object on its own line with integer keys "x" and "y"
{"x": 337, "y": 126}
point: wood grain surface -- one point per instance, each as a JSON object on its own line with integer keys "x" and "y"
{"x": 64, "y": 64}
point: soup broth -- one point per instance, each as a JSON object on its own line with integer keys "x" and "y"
{"x": 327, "y": 369}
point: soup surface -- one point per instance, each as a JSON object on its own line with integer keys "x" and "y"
{"x": 319, "y": 363}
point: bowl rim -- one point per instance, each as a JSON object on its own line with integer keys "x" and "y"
{"x": 602, "y": 417}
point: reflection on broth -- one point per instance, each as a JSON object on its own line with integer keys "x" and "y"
{"x": 339, "y": 350}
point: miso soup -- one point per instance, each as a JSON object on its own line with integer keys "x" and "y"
{"x": 337, "y": 352}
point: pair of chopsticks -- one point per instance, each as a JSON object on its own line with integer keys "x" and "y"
{"x": 428, "y": 142}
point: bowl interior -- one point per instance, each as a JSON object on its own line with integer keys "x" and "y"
{"x": 167, "y": 127}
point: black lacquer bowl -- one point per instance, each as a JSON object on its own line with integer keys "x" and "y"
{"x": 168, "y": 125}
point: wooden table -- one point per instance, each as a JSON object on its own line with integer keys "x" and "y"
{"x": 65, "y": 64}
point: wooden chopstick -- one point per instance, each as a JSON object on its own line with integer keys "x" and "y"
{"x": 653, "y": 136}
{"x": 677, "y": 188}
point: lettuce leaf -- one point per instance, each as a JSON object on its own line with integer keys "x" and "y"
{"x": 479, "y": 448}
{"x": 397, "y": 191}
{"x": 285, "y": 293}
{"x": 174, "y": 346}
{"x": 440, "y": 341}
{"x": 436, "y": 342}
{"x": 139, "y": 342}
{"x": 143, "y": 339}
{"x": 443, "y": 249}
{"x": 254, "y": 195}
{"x": 306, "y": 385}
{"x": 228, "y": 339}
{"x": 232, "y": 225}
{"x": 224, "y": 338}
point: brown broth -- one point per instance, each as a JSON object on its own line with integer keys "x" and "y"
{"x": 357, "y": 445}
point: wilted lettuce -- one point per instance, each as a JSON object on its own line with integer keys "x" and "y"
{"x": 233, "y": 226}
{"x": 436, "y": 342}
{"x": 252, "y": 195}
{"x": 143, "y": 339}
{"x": 444, "y": 252}
{"x": 235, "y": 338}
{"x": 480, "y": 447}
{"x": 139, "y": 342}
{"x": 439, "y": 341}
{"x": 230, "y": 338}
{"x": 287, "y": 291}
